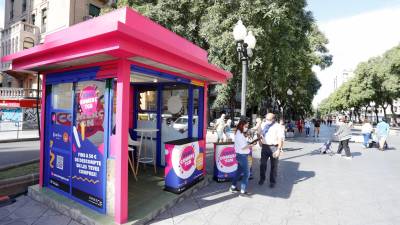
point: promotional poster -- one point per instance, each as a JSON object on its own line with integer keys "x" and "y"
{"x": 225, "y": 164}
{"x": 184, "y": 165}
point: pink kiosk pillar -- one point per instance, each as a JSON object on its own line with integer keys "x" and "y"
{"x": 105, "y": 49}
{"x": 121, "y": 170}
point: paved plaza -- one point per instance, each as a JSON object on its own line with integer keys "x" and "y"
{"x": 312, "y": 189}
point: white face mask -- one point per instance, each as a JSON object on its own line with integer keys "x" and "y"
{"x": 268, "y": 122}
{"x": 245, "y": 130}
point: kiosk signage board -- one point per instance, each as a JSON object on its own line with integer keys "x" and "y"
{"x": 225, "y": 164}
{"x": 184, "y": 164}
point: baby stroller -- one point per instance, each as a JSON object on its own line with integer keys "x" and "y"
{"x": 326, "y": 148}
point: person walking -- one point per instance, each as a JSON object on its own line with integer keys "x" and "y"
{"x": 271, "y": 142}
{"x": 317, "y": 127}
{"x": 382, "y": 131}
{"x": 344, "y": 135}
{"x": 366, "y": 131}
{"x": 300, "y": 126}
{"x": 307, "y": 126}
{"x": 242, "y": 149}
{"x": 220, "y": 128}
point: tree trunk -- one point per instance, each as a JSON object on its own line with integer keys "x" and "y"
{"x": 366, "y": 112}
{"x": 394, "y": 117}
{"x": 376, "y": 114}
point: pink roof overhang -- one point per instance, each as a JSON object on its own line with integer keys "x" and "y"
{"x": 121, "y": 34}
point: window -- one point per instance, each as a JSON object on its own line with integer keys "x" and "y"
{"x": 33, "y": 19}
{"x": 44, "y": 19}
{"x": 12, "y": 9}
{"x": 23, "y": 5}
{"x": 94, "y": 10}
{"x": 9, "y": 84}
{"x": 28, "y": 43}
{"x": 62, "y": 96}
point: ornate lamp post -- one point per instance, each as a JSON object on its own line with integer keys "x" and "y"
{"x": 244, "y": 46}
{"x": 289, "y": 93}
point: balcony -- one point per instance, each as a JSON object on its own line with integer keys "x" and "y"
{"x": 18, "y": 93}
{"x": 17, "y": 37}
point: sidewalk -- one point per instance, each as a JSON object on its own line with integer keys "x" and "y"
{"x": 312, "y": 189}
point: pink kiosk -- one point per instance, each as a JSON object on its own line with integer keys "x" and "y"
{"x": 119, "y": 88}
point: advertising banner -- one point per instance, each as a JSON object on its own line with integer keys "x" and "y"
{"x": 184, "y": 165}
{"x": 225, "y": 164}
{"x": 88, "y": 159}
{"x": 59, "y": 158}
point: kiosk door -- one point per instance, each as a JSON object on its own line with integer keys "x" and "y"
{"x": 77, "y": 140}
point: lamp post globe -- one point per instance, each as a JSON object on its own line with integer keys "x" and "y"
{"x": 250, "y": 40}
{"x": 289, "y": 92}
{"x": 239, "y": 31}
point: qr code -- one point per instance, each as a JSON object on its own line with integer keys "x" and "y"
{"x": 60, "y": 162}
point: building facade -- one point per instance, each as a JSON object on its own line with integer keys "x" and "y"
{"x": 26, "y": 24}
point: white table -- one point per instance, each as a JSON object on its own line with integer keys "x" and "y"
{"x": 146, "y": 133}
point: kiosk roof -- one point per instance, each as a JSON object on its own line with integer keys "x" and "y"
{"x": 121, "y": 34}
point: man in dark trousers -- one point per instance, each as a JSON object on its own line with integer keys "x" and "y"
{"x": 271, "y": 141}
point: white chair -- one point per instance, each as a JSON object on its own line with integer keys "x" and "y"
{"x": 131, "y": 144}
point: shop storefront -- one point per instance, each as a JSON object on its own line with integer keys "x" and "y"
{"x": 119, "y": 88}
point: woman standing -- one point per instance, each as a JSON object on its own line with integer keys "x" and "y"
{"x": 308, "y": 127}
{"x": 366, "y": 131}
{"x": 242, "y": 149}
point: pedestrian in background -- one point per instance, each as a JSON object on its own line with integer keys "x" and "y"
{"x": 220, "y": 128}
{"x": 307, "y": 125}
{"x": 242, "y": 149}
{"x": 382, "y": 131}
{"x": 344, "y": 135}
{"x": 271, "y": 142}
{"x": 366, "y": 131}
{"x": 317, "y": 127}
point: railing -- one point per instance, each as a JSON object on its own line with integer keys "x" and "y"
{"x": 18, "y": 93}
{"x": 19, "y": 27}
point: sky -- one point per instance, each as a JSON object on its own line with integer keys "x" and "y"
{"x": 356, "y": 30}
{"x": 1, "y": 13}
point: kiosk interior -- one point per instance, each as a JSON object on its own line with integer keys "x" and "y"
{"x": 107, "y": 81}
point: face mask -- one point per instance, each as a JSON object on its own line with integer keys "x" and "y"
{"x": 245, "y": 129}
{"x": 268, "y": 122}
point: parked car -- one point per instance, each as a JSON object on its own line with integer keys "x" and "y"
{"x": 181, "y": 124}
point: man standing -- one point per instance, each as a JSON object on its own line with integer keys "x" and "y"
{"x": 344, "y": 136}
{"x": 382, "y": 131}
{"x": 271, "y": 142}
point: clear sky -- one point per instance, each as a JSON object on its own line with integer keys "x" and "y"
{"x": 325, "y": 10}
{"x": 357, "y": 30}
{"x": 1, "y": 13}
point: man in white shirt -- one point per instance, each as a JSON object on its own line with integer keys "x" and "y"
{"x": 271, "y": 141}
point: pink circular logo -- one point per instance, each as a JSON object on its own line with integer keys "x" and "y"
{"x": 228, "y": 157}
{"x": 88, "y": 100}
{"x": 187, "y": 158}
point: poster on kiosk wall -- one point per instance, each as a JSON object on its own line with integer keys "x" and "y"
{"x": 59, "y": 155}
{"x": 88, "y": 157}
{"x": 184, "y": 165}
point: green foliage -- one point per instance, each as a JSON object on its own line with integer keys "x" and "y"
{"x": 377, "y": 80}
{"x": 288, "y": 45}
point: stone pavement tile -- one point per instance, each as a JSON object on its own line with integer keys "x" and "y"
{"x": 184, "y": 209}
{"x": 251, "y": 215}
{"x": 224, "y": 218}
{"x": 20, "y": 201}
{"x": 164, "y": 221}
{"x": 195, "y": 219}
{"x": 19, "y": 221}
{"x": 73, "y": 222}
{"x": 52, "y": 220}
{"x": 32, "y": 209}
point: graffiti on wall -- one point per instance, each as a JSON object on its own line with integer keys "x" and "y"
{"x": 30, "y": 118}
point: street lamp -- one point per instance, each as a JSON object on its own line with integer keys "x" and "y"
{"x": 289, "y": 92}
{"x": 245, "y": 43}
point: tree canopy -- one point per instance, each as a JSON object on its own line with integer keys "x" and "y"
{"x": 289, "y": 44}
{"x": 375, "y": 82}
